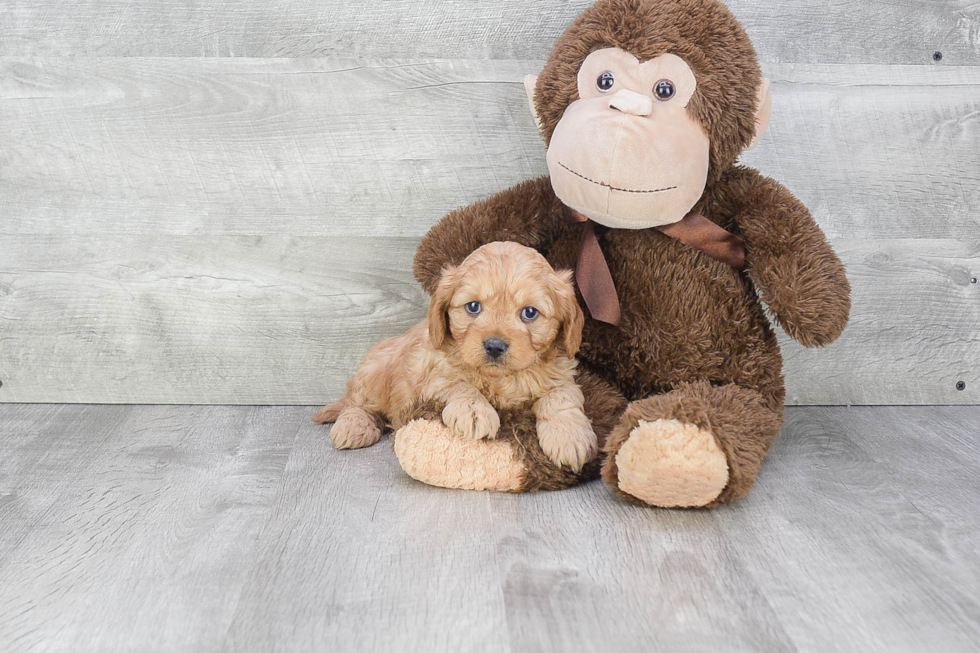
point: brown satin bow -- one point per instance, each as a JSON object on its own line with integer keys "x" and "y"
{"x": 592, "y": 274}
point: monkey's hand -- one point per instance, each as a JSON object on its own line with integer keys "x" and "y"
{"x": 789, "y": 260}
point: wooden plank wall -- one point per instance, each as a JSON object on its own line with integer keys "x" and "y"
{"x": 209, "y": 202}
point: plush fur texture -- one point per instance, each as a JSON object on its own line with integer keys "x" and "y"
{"x": 429, "y": 452}
{"x": 623, "y": 158}
{"x": 701, "y": 32}
{"x": 694, "y": 344}
{"x": 742, "y": 425}
{"x": 447, "y": 358}
{"x": 672, "y": 464}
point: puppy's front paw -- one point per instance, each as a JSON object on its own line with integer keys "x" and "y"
{"x": 568, "y": 439}
{"x": 472, "y": 419}
{"x": 354, "y": 428}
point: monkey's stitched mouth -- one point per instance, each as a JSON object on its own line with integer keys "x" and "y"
{"x": 605, "y": 185}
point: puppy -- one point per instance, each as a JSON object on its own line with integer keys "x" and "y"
{"x": 503, "y": 329}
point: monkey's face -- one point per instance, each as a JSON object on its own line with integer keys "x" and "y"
{"x": 627, "y": 153}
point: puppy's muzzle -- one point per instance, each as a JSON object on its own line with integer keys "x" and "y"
{"x": 495, "y": 348}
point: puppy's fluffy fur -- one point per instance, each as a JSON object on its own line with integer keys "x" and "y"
{"x": 449, "y": 357}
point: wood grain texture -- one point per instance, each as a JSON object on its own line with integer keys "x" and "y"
{"x": 241, "y": 529}
{"x": 913, "y": 332}
{"x": 827, "y": 485}
{"x": 892, "y": 31}
{"x": 382, "y": 562}
{"x": 263, "y": 319}
{"x": 132, "y": 527}
{"x": 234, "y": 319}
{"x": 239, "y": 230}
{"x": 611, "y": 576}
{"x": 370, "y": 148}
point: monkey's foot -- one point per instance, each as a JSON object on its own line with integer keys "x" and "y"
{"x": 430, "y": 452}
{"x": 670, "y": 464}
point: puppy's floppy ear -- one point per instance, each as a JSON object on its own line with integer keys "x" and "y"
{"x": 569, "y": 312}
{"x": 439, "y": 306}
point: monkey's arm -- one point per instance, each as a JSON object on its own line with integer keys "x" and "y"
{"x": 524, "y": 214}
{"x": 789, "y": 260}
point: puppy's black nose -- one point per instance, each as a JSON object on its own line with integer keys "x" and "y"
{"x": 495, "y": 347}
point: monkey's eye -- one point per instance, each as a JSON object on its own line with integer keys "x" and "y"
{"x": 664, "y": 90}
{"x": 605, "y": 82}
{"x": 529, "y": 314}
{"x": 473, "y": 308}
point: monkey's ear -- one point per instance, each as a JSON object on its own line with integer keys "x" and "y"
{"x": 764, "y": 108}
{"x": 530, "y": 82}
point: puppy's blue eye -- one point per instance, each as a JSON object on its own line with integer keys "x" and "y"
{"x": 529, "y": 314}
{"x": 474, "y": 308}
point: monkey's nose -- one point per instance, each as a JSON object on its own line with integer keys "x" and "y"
{"x": 495, "y": 347}
{"x": 631, "y": 102}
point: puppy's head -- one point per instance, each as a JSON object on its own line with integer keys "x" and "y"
{"x": 504, "y": 309}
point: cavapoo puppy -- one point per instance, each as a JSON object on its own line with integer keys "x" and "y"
{"x": 503, "y": 329}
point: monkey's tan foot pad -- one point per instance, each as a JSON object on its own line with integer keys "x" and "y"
{"x": 429, "y": 452}
{"x": 670, "y": 464}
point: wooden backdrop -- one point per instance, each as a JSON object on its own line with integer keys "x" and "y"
{"x": 206, "y": 201}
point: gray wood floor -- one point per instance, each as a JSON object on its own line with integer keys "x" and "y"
{"x": 242, "y": 529}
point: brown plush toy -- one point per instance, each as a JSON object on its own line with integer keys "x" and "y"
{"x": 645, "y": 106}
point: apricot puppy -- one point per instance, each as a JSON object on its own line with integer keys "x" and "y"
{"x": 503, "y": 330}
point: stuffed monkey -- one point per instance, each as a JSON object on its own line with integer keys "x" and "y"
{"x": 645, "y": 106}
